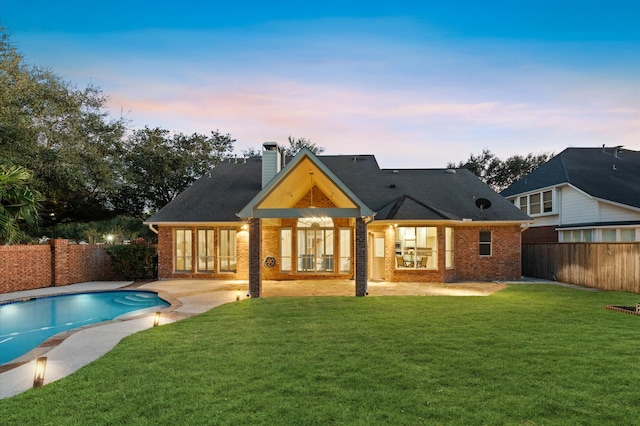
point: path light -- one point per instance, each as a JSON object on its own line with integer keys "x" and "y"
{"x": 38, "y": 377}
{"x": 156, "y": 319}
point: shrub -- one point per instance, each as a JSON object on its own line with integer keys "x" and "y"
{"x": 133, "y": 262}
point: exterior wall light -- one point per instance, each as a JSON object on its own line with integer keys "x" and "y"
{"x": 38, "y": 377}
{"x": 156, "y": 319}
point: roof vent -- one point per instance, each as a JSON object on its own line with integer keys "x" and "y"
{"x": 393, "y": 185}
{"x": 395, "y": 172}
{"x": 451, "y": 171}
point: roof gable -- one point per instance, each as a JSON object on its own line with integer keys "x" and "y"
{"x": 297, "y": 178}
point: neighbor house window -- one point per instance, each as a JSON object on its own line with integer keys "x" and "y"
{"x": 627, "y": 235}
{"x": 485, "y": 243}
{"x": 609, "y": 235}
{"x": 206, "y": 259}
{"x": 448, "y": 248}
{"x": 344, "y": 249}
{"x": 416, "y": 247}
{"x": 535, "y": 204}
{"x": 228, "y": 250}
{"x": 285, "y": 249}
{"x": 183, "y": 250}
{"x": 315, "y": 245}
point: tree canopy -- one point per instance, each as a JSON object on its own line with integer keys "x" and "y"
{"x": 497, "y": 173}
{"x": 158, "y": 165}
{"x": 296, "y": 144}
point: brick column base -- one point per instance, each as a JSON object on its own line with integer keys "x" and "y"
{"x": 361, "y": 257}
{"x": 255, "y": 259}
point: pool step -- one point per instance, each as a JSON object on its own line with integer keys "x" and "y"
{"x": 134, "y": 299}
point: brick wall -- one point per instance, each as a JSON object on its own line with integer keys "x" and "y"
{"x": 504, "y": 262}
{"x": 27, "y": 267}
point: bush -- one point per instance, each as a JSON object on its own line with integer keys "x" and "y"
{"x": 133, "y": 262}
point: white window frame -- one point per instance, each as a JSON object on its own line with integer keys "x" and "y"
{"x": 229, "y": 257}
{"x": 205, "y": 245}
{"x": 411, "y": 252}
{"x": 523, "y": 202}
{"x": 485, "y": 243}
{"x": 182, "y": 251}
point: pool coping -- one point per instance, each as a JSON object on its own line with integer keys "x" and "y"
{"x": 58, "y": 338}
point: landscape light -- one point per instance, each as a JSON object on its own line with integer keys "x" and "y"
{"x": 156, "y": 319}
{"x": 38, "y": 377}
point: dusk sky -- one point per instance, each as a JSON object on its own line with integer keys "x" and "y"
{"x": 417, "y": 83}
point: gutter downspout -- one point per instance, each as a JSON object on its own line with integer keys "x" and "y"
{"x": 154, "y": 230}
{"x": 526, "y": 226}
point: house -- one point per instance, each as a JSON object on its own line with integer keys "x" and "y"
{"x": 320, "y": 217}
{"x": 582, "y": 195}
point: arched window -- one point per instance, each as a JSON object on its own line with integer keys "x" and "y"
{"x": 315, "y": 245}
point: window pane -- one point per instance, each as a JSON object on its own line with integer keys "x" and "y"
{"x": 534, "y": 203}
{"x": 523, "y": 204}
{"x": 227, "y": 250}
{"x": 627, "y": 235}
{"x": 183, "y": 250}
{"x": 547, "y": 200}
{"x": 285, "y": 249}
{"x": 205, "y": 250}
{"x": 448, "y": 247}
{"x": 485, "y": 243}
{"x": 345, "y": 250}
{"x": 608, "y": 235}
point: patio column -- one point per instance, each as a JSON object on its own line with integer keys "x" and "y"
{"x": 255, "y": 258}
{"x": 361, "y": 257}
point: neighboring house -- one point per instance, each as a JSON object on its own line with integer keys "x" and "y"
{"x": 582, "y": 195}
{"x": 338, "y": 217}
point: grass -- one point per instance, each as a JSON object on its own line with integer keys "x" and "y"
{"x": 530, "y": 354}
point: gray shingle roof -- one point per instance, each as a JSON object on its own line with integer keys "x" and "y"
{"x": 599, "y": 172}
{"x": 402, "y": 194}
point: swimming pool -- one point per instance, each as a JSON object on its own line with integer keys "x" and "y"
{"x": 26, "y": 324}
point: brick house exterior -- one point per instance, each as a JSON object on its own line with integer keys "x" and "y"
{"x": 337, "y": 217}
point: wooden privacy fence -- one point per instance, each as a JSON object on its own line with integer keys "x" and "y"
{"x": 607, "y": 266}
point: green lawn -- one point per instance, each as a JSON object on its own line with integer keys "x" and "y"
{"x": 530, "y": 354}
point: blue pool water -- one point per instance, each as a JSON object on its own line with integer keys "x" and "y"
{"x": 26, "y": 324}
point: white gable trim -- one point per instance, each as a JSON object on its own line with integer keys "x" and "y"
{"x": 250, "y": 211}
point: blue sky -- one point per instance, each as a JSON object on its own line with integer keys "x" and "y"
{"x": 417, "y": 83}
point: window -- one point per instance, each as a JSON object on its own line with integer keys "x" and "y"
{"x": 535, "y": 204}
{"x": 416, "y": 247}
{"x": 344, "y": 249}
{"x": 448, "y": 248}
{"x": 485, "y": 243}
{"x": 315, "y": 245}
{"x": 206, "y": 259}
{"x": 183, "y": 250}
{"x": 627, "y": 235}
{"x": 228, "y": 250}
{"x": 523, "y": 204}
{"x": 609, "y": 235}
{"x": 285, "y": 249}
{"x": 547, "y": 202}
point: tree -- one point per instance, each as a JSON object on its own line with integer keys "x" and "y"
{"x": 18, "y": 203}
{"x": 159, "y": 165}
{"x": 497, "y": 173}
{"x": 62, "y": 134}
{"x": 296, "y": 144}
